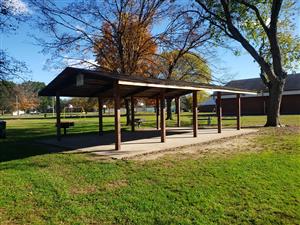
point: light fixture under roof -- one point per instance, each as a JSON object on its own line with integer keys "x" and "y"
{"x": 79, "y": 80}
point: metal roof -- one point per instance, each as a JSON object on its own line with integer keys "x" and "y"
{"x": 75, "y": 82}
{"x": 292, "y": 83}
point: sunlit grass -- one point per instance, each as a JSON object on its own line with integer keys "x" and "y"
{"x": 31, "y": 128}
{"x": 253, "y": 187}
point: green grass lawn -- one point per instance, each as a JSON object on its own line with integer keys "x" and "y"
{"x": 31, "y": 128}
{"x": 248, "y": 187}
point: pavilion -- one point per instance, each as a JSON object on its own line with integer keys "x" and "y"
{"x": 75, "y": 82}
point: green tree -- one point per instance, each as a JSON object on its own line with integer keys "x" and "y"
{"x": 188, "y": 67}
{"x": 187, "y": 101}
{"x": 266, "y": 30}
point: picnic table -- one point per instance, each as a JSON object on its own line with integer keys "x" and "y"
{"x": 208, "y": 117}
{"x": 66, "y": 125}
{"x": 138, "y": 121}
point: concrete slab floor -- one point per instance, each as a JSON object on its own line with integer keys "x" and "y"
{"x": 140, "y": 142}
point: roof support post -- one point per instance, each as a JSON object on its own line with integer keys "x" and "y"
{"x": 157, "y": 112}
{"x": 100, "y": 115}
{"x": 238, "y": 111}
{"x": 132, "y": 113}
{"x": 117, "y": 116}
{"x": 127, "y": 106}
{"x": 58, "y": 126}
{"x": 219, "y": 112}
{"x": 195, "y": 114}
{"x": 162, "y": 116}
{"x": 177, "y": 102}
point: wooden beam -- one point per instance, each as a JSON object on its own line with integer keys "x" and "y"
{"x": 137, "y": 91}
{"x": 117, "y": 117}
{"x": 195, "y": 114}
{"x": 157, "y": 112}
{"x": 166, "y": 92}
{"x": 219, "y": 111}
{"x": 132, "y": 113}
{"x": 58, "y": 125}
{"x": 194, "y": 87}
{"x": 177, "y": 93}
{"x": 162, "y": 116}
{"x": 100, "y": 115}
{"x": 238, "y": 111}
{"x": 177, "y": 102}
{"x": 102, "y": 90}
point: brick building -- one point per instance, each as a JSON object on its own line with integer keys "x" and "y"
{"x": 258, "y": 105}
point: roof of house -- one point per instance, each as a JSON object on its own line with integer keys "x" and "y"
{"x": 292, "y": 83}
{"x": 210, "y": 101}
{"x": 75, "y": 82}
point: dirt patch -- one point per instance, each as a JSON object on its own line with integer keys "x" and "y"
{"x": 241, "y": 143}
{"x": 83, "y": 190}
{"x": 224, "y": 146}
{"x": 116, "y": 184}
{"x": 5, "y": 220}
{"x": 278, "y": 131}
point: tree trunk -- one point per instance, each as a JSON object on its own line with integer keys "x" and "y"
{"x": 169, "y": 109}
{"x": 275, "y": 96}
{"x": 127, "y": 112}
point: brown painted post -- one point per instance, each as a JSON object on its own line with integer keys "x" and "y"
{"x": 238, "y": 111}
{"x": 219, "y": 112}
{"x": 177, "y": 101}
{"x": 162, "y": 116}
{"x": 157, "y": 113}
{"x": 195, "y": 114}
{"x": 132, "y": 113}
{"x": 127, "y": 106}
{"x": 100, "y": 115}
{"x": 58, "y": 131}
{"x": 117, "y": 117}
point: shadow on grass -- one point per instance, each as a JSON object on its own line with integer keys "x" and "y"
{"x": 21, "y": 142}
{"x": 20, "y": 150}
{"x": 25, "y": 142}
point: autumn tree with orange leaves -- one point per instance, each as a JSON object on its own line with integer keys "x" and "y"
{"x": 26, "y": 97}
{"x": 123, "y": 36}
{"x": 127, "y": 47}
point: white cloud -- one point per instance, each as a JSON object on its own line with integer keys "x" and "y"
{"x": 79, "y": 28}
{"x": 268, "y": 21}
{"x": 85, "y": 63}
{"x": 17, "y": 7}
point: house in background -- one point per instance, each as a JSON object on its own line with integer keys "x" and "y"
{"x": 18, "y": 113}
{"x": 258, "y": 105}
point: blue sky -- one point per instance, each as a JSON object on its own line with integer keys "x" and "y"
{"x": 22, "y": 48}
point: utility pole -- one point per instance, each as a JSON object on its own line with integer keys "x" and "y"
{"x": 17, "y": 105}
